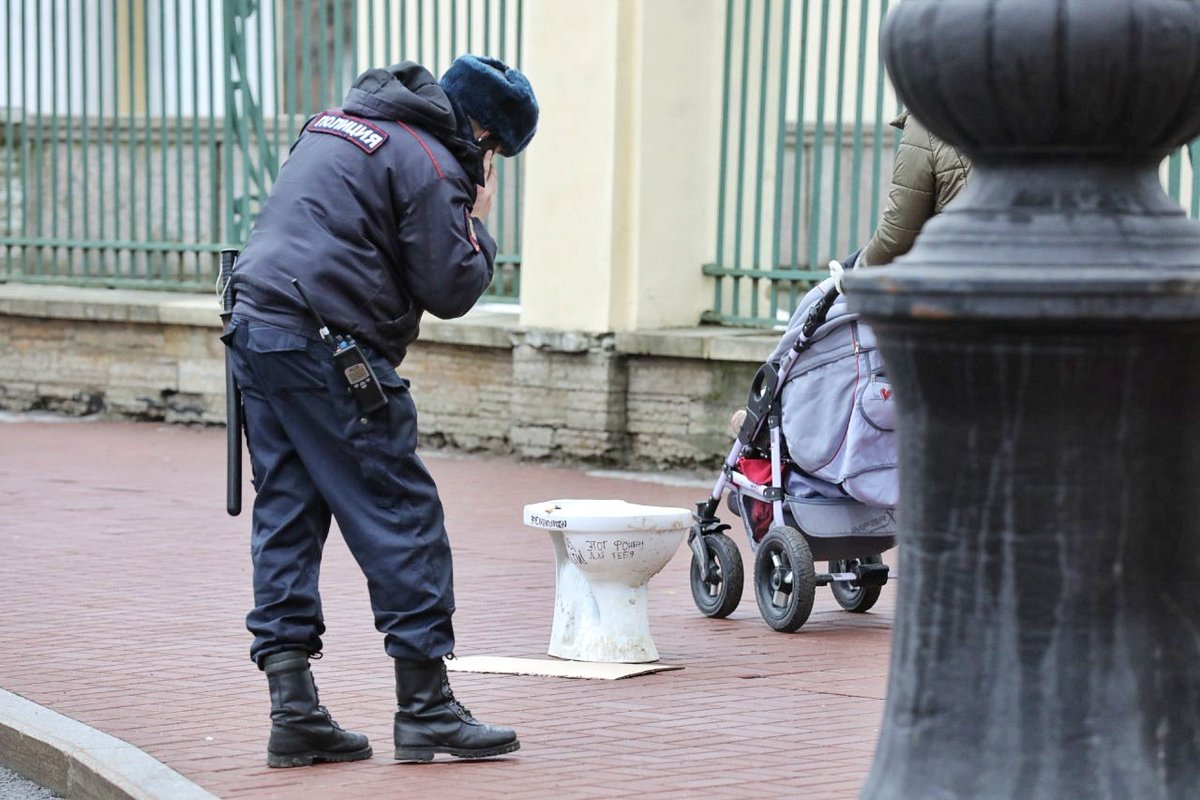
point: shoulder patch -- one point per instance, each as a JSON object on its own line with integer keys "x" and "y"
{"x": 359, "y": 132}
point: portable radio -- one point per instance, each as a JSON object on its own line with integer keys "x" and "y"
{"x": 349, "y": 359}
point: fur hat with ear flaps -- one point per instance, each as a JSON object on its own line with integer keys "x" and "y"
{"x": 496, "y": 96}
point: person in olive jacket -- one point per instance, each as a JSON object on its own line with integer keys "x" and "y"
{"x": 378, "y": 216}
{"x": 928, "y": 174}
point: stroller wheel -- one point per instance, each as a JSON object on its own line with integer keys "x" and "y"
{"x": 785, "y": 581}
{"x": 717, "y": 585}
{"x": 854, "y": 598}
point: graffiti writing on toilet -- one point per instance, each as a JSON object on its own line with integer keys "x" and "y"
{"x": 574, "y": 554}
{"x": 601, "y": 549}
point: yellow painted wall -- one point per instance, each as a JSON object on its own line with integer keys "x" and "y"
{"x": 620, "y": 183}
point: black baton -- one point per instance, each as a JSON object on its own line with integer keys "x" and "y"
{"x": 233, "y": 396}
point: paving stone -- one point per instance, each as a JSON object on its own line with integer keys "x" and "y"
{"x": 125, "y": 588}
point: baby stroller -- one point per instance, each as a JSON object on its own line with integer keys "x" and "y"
{"x": 812, "y": 473}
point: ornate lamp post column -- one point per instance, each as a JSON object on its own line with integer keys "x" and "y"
{"x": 1044, "y": 340}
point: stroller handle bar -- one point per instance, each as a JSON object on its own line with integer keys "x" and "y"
{"x": 816, "y": 318}
{"x": 820, "y": 310}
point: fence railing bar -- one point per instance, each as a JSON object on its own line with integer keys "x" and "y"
{"x": 386, "y": 28}
{"x": 289, "y": 69}
{"x": 339, "y": 68}
{"x": 760, "y": 154}
{"x": 215, "y": 167}
{"x": 279, "y": 72}
{"x": 324, "y": 68}
{"x": 131, "y": 245}
{"x": 798, "y": 146}
{"x": 115, "y": 54}
{"x": 66, "y": 171}
{"x": 769, "y": 274}
{"x": 437, "y": 38}
{"x": 877, "y": 144}
{"x": 520, "y": 171}
{"x": 519, "y": 214}
{"x": 146, "y": 112}
{"x": 50, "y": 158}
{"x": 421, "y": 31}
{"x": 180, "y": 185}
{"x": 487, "y": 26}
{"x": 39, "y": 166}
{"x": 502, "y": 175}
{"x": 835, "y": 204}
{"x": 260, "y": 84}
{"x": 740, "y": 191}
{"x": 1175, "y": 173}
{"x": 1194, "y": 162}
{"x": 371, "y": 34}
{"x": 195, "y": 141}
{"x": 131, "y": 106}
{"x": 9, "y": 47}
{"x": 723, "y": 165}
{"x": 303, "y": 64}
{"x": 468, "y": 25}
{"x": 164, "y": 266}
{"x": 503, "y": 30}
{"x": 859, "y": 102}
{"x": 819, "y": 139}
{"x": 785, "y": 28}
{"x": 120, "y": 282}
{"x": 230, "y": 42}
{"x": 88, "y": 74}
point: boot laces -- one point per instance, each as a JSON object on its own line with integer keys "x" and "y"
{"x": 325, "y": 713}
{"x": 448, "y": 693}
{"x": 452, "y": 701}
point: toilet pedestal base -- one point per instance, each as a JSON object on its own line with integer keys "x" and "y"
{"x": 581, "y": 633}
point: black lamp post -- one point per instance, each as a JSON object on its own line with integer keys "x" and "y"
{"x": 1044, "y": 340}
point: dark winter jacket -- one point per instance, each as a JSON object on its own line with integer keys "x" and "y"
{"x": 928, "y": 174}
{"x": 372, "y": 212}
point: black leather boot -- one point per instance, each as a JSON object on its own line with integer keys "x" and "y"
{"x": 302, "y": 731}
{"x": 431, "y": 721}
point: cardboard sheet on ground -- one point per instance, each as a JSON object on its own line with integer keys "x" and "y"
{"x": 554, "y": 668}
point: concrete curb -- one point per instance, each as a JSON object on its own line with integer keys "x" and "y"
{"x": 76, "y": 761}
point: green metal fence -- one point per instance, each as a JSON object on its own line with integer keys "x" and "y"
{"x": 139, "y": 137}
{"x": 806, "y": 150}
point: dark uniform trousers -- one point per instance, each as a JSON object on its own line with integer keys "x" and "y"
{"x": 315, "y": 454}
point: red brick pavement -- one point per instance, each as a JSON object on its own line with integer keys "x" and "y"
{"x": 123, "y": 589}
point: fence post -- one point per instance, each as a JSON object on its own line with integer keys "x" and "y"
{"x": 1043, "y": 337}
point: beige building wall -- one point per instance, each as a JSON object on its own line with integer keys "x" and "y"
{"x": 620, "y": 184}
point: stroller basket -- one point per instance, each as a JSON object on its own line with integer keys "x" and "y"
{"x": 839, "y": 529}
{"x": 835, "y": 528}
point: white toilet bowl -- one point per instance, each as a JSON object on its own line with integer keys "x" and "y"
{"x": 606, "y": 552}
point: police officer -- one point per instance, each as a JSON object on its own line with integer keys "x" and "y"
{"x": 377, "y": 215}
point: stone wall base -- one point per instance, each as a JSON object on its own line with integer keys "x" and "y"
{"x": 639, "y": 401}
